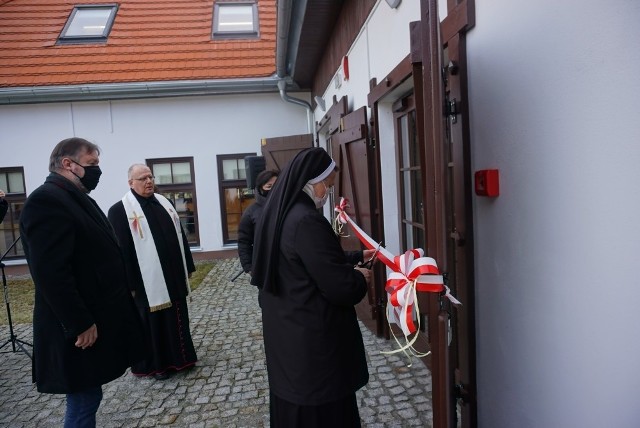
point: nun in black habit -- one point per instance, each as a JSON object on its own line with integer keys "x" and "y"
{"x": 308, "y": 289}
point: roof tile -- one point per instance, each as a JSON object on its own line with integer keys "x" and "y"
{"x": 150, "y": 41}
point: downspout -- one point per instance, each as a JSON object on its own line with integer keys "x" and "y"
{"x": 282, "y": 85}
{"x": 282, "y": 49}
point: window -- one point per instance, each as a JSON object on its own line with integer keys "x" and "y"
{"x": 89, "y": 24}
{"x": 235, "y": 196}
{"x": 12, "y": 182}
{"x": 410, "y": 179}
{"x": 174, "y": 179}
{"x": 235, "y": 20}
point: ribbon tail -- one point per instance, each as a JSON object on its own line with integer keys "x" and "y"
{"x": 449, "y": 296}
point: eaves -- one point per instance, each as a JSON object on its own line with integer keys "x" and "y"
{"x": 138, "y": 90}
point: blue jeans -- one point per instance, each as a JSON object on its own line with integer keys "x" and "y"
{"x": 82, "y": 407}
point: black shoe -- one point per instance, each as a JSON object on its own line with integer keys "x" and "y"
{"x": 162, "y": 376}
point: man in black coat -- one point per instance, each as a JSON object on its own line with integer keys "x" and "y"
{"x": 264, "y": 182}
{"x": 85, "y": 329}
{"x": 308, "y": 289}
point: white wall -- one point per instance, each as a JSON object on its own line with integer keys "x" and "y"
{"x": 554, "y": 96}
{"x": 554, "y": 93}
{"x": 132, "y": 131}
{"x": 382, "y": 43}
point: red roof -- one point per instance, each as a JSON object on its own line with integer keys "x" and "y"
{"x": 151, "y": 40}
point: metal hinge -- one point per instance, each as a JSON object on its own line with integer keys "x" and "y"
{"x": 462, "y": 393}
{"x": 452, "y": 110}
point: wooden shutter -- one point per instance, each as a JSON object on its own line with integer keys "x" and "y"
{"x": 280, "y": 150}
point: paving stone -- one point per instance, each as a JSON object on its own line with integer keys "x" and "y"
{"x": 228, "y": 387}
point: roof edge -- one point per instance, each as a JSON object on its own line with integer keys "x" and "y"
{"x": 136, "y": 90}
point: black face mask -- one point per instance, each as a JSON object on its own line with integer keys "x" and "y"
{"x": 91, "y": 177}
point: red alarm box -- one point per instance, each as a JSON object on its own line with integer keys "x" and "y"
{"x": 487, "y": 183}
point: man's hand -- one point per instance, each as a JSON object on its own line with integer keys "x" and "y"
{"x": 2, "y": 194}
{"x": 87, "y": 338}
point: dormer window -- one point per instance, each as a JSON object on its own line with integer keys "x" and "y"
{"x": 89, "y": 24}
{"x": 235, "y": 20}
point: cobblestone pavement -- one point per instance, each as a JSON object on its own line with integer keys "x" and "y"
{"x": 228, "y": 387}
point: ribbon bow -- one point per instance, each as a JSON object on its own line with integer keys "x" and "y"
{"x": 342, "y": 218}
{"x": 410, "y": 272}
{"x": 414, "y": 273}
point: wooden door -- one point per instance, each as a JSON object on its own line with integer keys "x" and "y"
{"x": 438, "y": 319}
{"x": 358, "y": 181}
{"x": 280, "y": 150}
{"x": 448, "y": 202}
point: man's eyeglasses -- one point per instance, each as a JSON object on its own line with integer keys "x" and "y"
{"x": 145, "y": 178}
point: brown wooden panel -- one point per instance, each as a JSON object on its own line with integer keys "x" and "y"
{"x": 460, "y": 225}
{"x": 356, "y": 181}
{"x": 330, "y": 122}
{"x": 353, "y": 15}
{"x": 433, "y": 97}
{"x": 279, "y": 150}
{"x": 459, "y": 19}
{"x": 399, "y": 74}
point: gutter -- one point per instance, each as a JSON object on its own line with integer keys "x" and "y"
{"x": 282, "y": 84}
{"x": 288, "y": 37}
{"x": 136, "y": 90}
{"x": 290, "y": 18}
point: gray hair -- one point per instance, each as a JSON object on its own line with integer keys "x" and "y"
{"x": 132, "y": 167}
{"x": 70, "y": 148}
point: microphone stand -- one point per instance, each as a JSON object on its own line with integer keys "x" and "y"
{"x": 237, "y": 275}
{"x": 13, "y": 339}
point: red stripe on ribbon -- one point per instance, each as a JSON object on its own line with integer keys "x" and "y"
{"x": 411, "y": 272}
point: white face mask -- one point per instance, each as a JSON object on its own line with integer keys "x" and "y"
{"x": 319, "y": 202}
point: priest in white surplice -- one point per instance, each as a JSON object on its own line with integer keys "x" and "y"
{"x": 159, "y": 263}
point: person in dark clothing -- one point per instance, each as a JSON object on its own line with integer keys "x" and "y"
{"x": 308, "y": 289}
{"x": 4, "y": 205}
{"x": 86, "y": 331}
{"x": 159, "y": 263}
{"x": 264, "y": 182}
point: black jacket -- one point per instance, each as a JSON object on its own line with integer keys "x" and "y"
{"x": 80, "y": 280}
{"x": 4, "y": 206}
{"x": 313, "y": 345}
{"x": 246, "y": 229}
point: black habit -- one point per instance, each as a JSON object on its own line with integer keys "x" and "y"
{"x": 167, "y": 329}
{"x": 313, "y": 344}
{"x": 80, "y": 280}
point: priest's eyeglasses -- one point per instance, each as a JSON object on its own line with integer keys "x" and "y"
{"x": 145, "y": 178}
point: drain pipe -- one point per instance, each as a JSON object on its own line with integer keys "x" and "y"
{"x": 282, "y": 85}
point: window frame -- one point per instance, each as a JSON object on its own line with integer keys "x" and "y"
{"x": 12, "y": 217}
{"x": 85, "y": 39}
{"x": 409, "y": 164}
{"x": 239, "y": 183}
{"x": 181, "y": 188}
{"x": 247, "y": 34}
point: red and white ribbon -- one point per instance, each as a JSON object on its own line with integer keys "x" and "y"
{"x": 411, "y": 272}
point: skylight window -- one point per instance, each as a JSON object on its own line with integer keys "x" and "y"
{"x": 89, "y": 24}
{"x": 235, "y": 20}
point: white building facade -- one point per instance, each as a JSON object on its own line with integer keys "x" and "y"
{"x": 552, "y": 99}
{"x": 190, "y": 132}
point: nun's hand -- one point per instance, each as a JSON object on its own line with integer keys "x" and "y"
{"x": 366, "y": 273}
